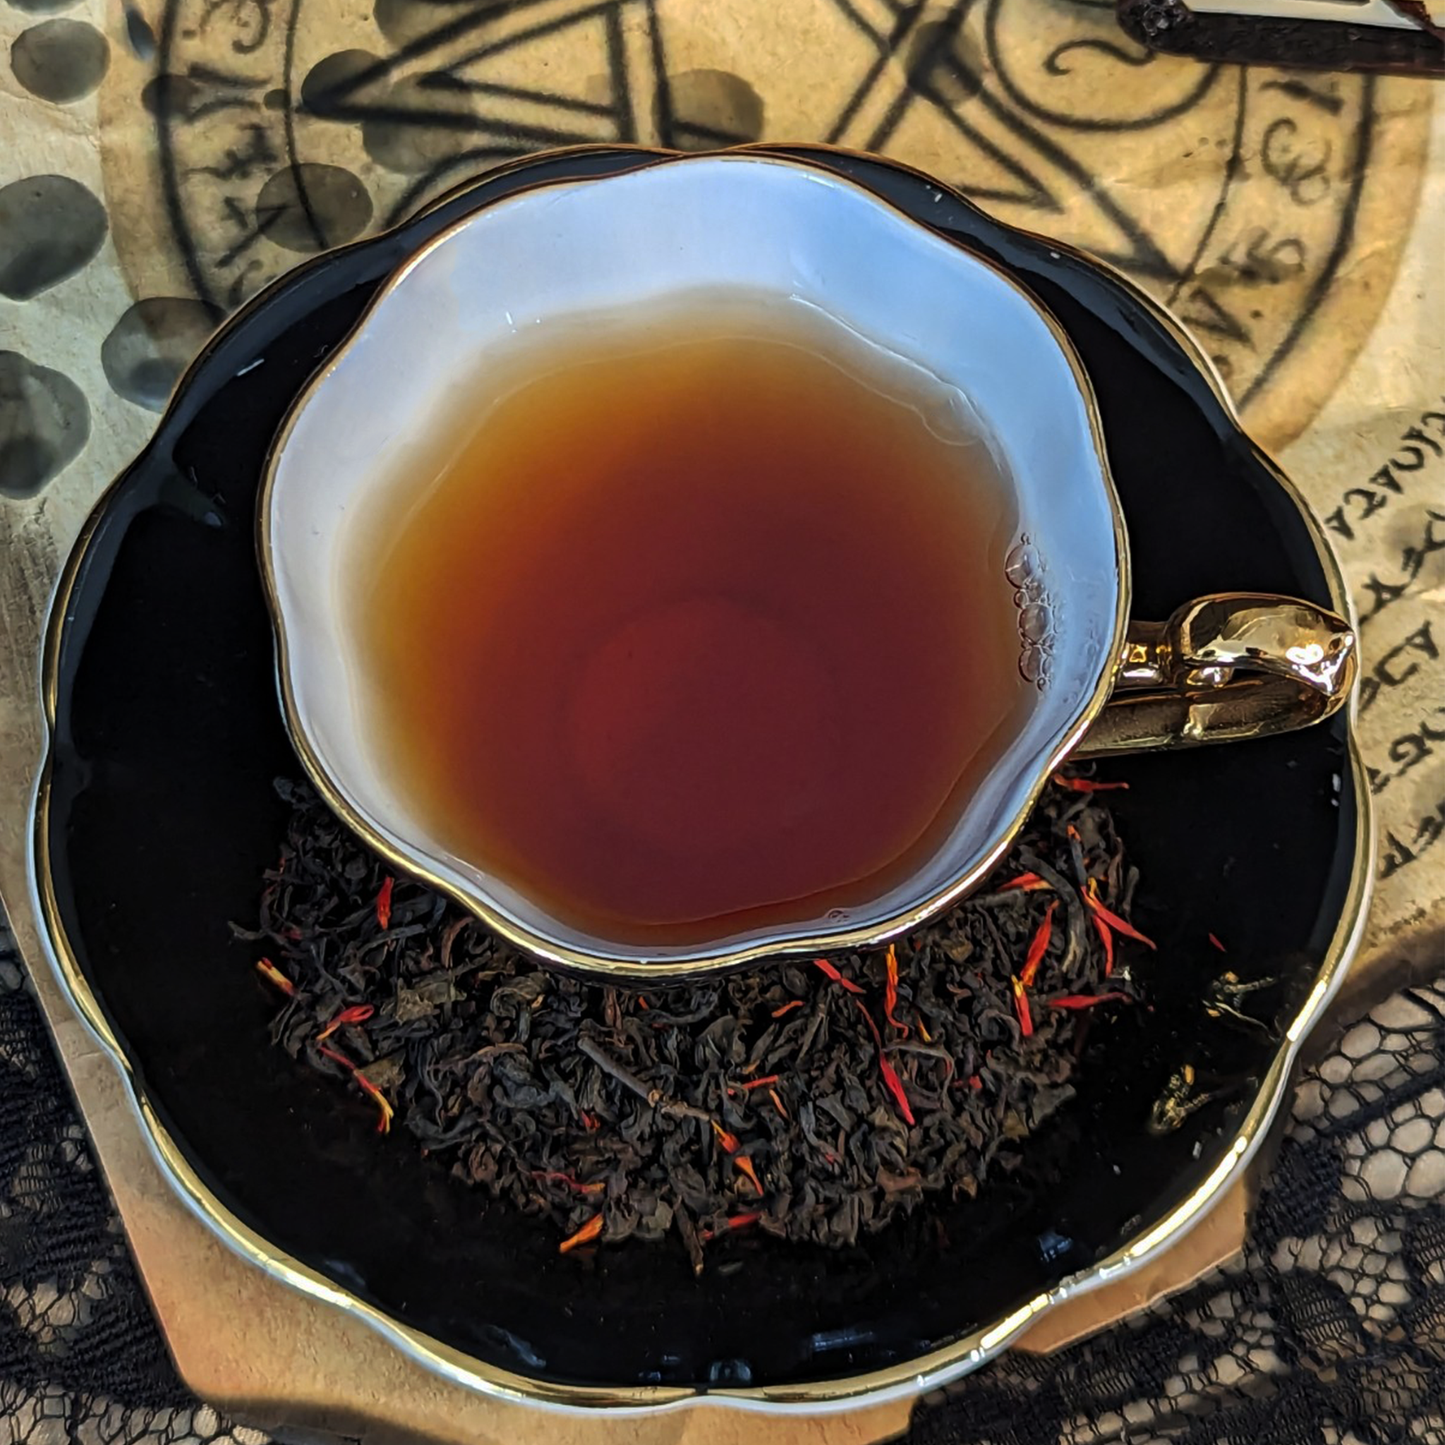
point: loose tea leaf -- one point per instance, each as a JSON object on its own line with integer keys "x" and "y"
{"x": 770, "y": 1099}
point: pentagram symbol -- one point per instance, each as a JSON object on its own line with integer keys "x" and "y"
{"x": 1236, "y": 196}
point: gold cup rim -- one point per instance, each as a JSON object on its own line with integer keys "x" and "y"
{"x": 650, "y": 966}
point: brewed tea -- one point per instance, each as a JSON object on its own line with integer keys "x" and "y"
{"x": 699, "y": 623}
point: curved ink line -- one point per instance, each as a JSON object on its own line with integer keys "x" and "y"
{"x": 1344, "y": 239}
{"x": 1084, "y": 123}
{"x": 475, "y": 19}
{"x": 1148, "y": 258}
{"x": 412, "y": 196}
{"x": 662, "y": 86}
{"x": 288, "y": 65}
{"x": 170, "y": 181}
{"x": 1104, "y": 47}
{"x": 1035, "y": 192}
{"x": 1232, "y": 172}
{"x": 920, "y": 84}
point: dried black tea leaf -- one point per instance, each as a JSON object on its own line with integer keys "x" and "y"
{"x": 808, "y": 1100}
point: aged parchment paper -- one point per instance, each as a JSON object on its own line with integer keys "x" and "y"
{"x": 159, "y": 162}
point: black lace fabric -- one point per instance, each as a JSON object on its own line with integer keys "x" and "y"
{"x": 81, "y": 1358}
{"x": 1329, "y": 1331}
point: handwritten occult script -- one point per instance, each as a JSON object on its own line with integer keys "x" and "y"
{"x": 1388, "y": 524}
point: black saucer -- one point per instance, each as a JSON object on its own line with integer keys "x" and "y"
{"x": 167, "y": 734}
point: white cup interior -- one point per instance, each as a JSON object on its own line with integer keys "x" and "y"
{"x": 542, "y": 258}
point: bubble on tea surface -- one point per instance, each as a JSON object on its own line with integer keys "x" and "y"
{"x": 1024, "y": 569}
{"x": 1022, "y": 566}
{"x": 1036, "y": 623}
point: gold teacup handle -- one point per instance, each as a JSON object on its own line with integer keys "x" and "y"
{"x": 1236, "y": 665}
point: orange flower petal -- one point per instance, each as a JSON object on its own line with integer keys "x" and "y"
{"x": 1106, "y": 936}
{"x": 274, "y": 976}
{"x": 1039, "y": 946}
{"x": 1086, "y": 785}
{"x": 383, "y": 1124}
{"x": 1119, "y": 925}
{"x": 585, "y": 1235}
{"x": 1087, "y": 1000}
{"x": 1026, "y": 882}
{"x": 890, "y": 993}
{"x": 728, "y": 1141}
{"x": 745, "y": 1165}
{"x": 891, "y": 1081}
{"x": 837, "y": 977}
{"x": 1021, "y": 1007}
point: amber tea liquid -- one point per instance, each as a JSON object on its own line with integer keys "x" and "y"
{"x": 700, "y": 624}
